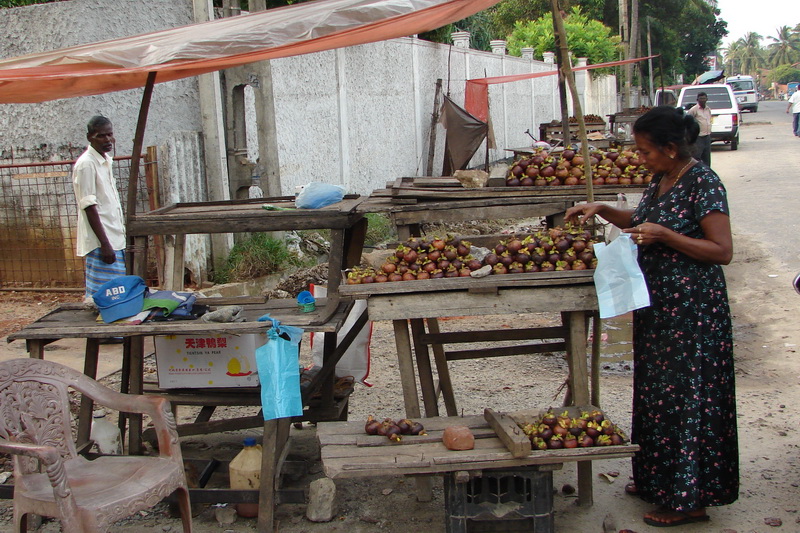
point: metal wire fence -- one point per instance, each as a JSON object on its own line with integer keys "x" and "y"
{"x": 38, "y": 217}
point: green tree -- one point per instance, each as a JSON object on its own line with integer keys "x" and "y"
{"x": 785, "y": 47}
{"x": 585, "y": 37}
{"x": 479, "y": 25}
{"x": 752, "y": 54}
{"x": 733, "y": 57}
{"x": 784, "y": 74}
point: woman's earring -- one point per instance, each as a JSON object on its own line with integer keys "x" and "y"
{"x": 672, "y": 156}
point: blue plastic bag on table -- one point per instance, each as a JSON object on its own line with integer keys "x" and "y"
{"x": 278, "y": 363}
{"x": 316, "y": 195}
{"x": 618, "y": 279}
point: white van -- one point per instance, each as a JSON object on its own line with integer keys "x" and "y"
{"x": 744, "y": 88}
{"x": 725, "y": 116}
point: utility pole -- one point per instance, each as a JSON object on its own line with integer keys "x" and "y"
{"x": 625, "y": 33}
{"x": 562, "y": 58}
{"x": 650, "y": 62}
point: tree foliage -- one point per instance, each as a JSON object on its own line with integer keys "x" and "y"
{"x": 784, "y": 74}
{"x": 585, "y": 37}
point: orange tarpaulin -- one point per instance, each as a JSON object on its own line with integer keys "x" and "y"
{"x": 209, "y": 46}
{"x": 476, "y": 97}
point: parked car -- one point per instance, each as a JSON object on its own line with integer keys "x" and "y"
{"x": 744, "y": 88}
{"x": 725, "y": 114}
{"x": 665, "y": 97}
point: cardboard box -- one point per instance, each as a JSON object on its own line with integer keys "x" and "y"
{"x": 206, "y": 361}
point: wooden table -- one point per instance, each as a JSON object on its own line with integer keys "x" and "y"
{"x": 409, "y": 303}
{"x": 72, "y": 321}
{"x": 347, "y": 452}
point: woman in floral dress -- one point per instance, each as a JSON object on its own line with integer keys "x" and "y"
{"x": 684, "y": 410}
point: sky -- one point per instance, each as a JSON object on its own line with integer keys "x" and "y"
{"x": 760, "y": 16}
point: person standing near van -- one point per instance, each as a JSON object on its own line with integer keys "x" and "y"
{"x": 702, "y": 113}
{"x": 101, "y": 226}
{"x": 794, "y": 106}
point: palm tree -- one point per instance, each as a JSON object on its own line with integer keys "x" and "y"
{"x": 785, "y": 48}
{"x": 733, "y": 57}
{"x": 752, "y": 55}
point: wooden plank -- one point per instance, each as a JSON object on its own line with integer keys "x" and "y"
{"x": 457, "y": 337}
{"x": 239, "y": 216}
{"x": 504, "y": 351}
{"x": 424, "y": 369}
{"x": 440, "y": 358}
{"x": 78, "y": 323}
{"x": 509, "y": 433}
{"x": 405, "y": 364}
{"x": 455, "y": 303}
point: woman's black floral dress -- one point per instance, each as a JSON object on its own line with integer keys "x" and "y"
{"x": 684, "y": 407}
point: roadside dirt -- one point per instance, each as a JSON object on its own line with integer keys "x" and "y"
{"x": 768, "y": 393}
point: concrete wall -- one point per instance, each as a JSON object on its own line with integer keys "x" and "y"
{"x": 60, "y": 125}
{"x": 358, "y": 116}
{"x": 361, "y": 116}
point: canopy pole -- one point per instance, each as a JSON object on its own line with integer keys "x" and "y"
{"x": 138, "y": 141}
{"x": 562, "y": 54}
{"x": 566, "y": 70}
{"x": 133, "y": 179}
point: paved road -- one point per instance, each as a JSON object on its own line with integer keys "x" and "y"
{"x": 762, "y": 181}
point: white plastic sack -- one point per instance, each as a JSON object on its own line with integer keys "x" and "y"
{"x": 622, "y": 203}
{"x": 618, "y": 280}
{"x": 355, "y": 361}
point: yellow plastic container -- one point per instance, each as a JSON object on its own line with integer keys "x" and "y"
{"x": 245, "y": 473}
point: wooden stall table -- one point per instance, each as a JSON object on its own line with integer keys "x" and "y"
{"x": 347, "y": 452}
{"x": 73, "y": 321}
{"x": 408, "y": 303}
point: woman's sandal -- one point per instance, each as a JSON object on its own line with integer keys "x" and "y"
{"x": 631, "y": 489}
{"x": 680, "y": 518}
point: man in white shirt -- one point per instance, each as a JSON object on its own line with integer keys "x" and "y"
{"x": 101, "y": 226}
{"x": 702, "y": 113}
{"x": 794, "y": 106}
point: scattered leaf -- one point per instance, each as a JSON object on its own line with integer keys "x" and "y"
{"x": 773, "y": 521}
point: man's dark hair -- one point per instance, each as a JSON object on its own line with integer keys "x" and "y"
{"x": 702, "y": 94}
{"x": 95, "y": 123}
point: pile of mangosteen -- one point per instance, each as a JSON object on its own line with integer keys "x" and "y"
{"x": 611, "y": 167}
{"x": 591, "y": 428}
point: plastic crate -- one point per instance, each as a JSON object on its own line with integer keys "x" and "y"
{"x": 502, "y": 500}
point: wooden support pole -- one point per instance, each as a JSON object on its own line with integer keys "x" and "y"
{"x": 566, "y": 71}
{"x": 138, "y": 142}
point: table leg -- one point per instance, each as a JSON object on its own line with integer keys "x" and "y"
{"x": 36, "y": 348}
{"x": 405, "y": 364}
{"x": 424, "y": 368}
{"x": 579, "y": 385}
{"x": 445, "y": 383}
{"x": 597, "y": 331}
{"x": 87, "y": 405}
{"x": 136, "y": 386}
{"x": 276, "y": 434}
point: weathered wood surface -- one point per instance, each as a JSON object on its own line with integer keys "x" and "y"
{"x": 509, "y": 432}
{"x": 566, "y": 278}
{"x": 243, "y": 216}
{"x": 459, "y": 303}
{"x": 68, "y": 322}
{"x": 347, "y": 451}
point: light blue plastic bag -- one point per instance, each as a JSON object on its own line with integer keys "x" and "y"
{"x": 279, "y": 371}
{"x": 618, "y": 280}
{"x": 316, "y": 195}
